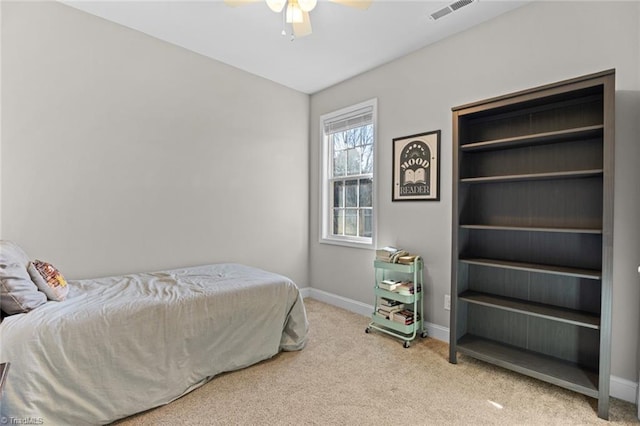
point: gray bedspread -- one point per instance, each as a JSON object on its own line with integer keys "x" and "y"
{"x": 121, "y": 345}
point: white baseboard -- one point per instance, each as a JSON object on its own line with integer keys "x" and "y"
{"x": 620, "y": 388}
{"x": 433, "y": 330}
{"x": 305, "y": 292}
{"x": 341, "y": 302}
{"x": 623, "y": 389}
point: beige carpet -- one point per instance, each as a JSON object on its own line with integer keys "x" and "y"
{"x": 347, "y": 377}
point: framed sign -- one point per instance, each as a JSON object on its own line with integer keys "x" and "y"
{"x": 416, "y": 167}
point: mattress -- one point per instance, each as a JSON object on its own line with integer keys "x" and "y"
{"x": 120, "y": 345}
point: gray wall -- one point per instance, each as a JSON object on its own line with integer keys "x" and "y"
{"x": 123, "y": 153}
{"x": 540, "y": 43}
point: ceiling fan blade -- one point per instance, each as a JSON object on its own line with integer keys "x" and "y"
{"x": 358, "y": 4}
{"x": 303, "y": 28}
{"x": 235, "y": 3}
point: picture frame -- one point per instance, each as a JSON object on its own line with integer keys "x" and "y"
{"x": 416, "y": 167}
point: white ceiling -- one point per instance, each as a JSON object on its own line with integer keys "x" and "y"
{"x": 345, "y": 41}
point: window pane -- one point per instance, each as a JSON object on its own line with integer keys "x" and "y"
{"x": 351, "y": 138}
{"x": 353, "y": 161}
{"x": 351, "y": 193}
{"x": 351, "y": 222}
{"x": 357, "y": 136}
{"x": 366, "y": 186}
{"x": 368, "y": 134}
{"x": 338, "y": 194}
{"x": 367, "y": 159}
{"x": 338, "y": 222}
{"x": 338, "y": 142}
{"x": 366, "y": 223}
{"x": 339, "y": 163}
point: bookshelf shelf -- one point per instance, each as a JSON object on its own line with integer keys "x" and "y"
{"x": 532, "y": 263}
{"x": 390, "y": 307}
{"x": 554, "y": 313}
{"x": 533, "y": 267}
{"x": 537, "y": 139}
{"x": 562, "y": 373}
{"x": 571, "y": 174}
{"x": 534, "y": 229}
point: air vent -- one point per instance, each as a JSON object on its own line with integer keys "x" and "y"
{"x": 442, "y": 12}
{"x": 462, "y": 3}
{"x": 450, "y": 8}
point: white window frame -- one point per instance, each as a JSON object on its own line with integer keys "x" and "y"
{"x": 326, "y": 194}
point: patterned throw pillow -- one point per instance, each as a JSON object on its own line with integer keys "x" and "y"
{"x": 48, "y": 280}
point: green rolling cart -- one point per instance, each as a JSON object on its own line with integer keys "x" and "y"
{"x": 399, "y": 272}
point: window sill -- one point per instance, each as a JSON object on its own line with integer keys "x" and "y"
{"x": 348, "y": 243}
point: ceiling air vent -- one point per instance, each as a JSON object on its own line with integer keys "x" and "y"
{"x": 450, "y": 8}
{"x": 462, "y": 3}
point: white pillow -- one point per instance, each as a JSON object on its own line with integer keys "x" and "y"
{"x": 18, "y": 293}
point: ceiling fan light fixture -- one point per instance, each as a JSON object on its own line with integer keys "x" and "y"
{"x": 276, "y": 5}
{"x": 294, "y": 14}
{"x": 307, "y": 5}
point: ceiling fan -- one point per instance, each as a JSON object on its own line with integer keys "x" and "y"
{"x": 296, "y": 12}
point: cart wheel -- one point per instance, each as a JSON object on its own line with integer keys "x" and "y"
{"x": 424, "y": 334}
{"x": 367, "y": 330}
{"x": 407, "y": 344}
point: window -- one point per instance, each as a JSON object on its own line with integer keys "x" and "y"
{"x": 348, "y": 154}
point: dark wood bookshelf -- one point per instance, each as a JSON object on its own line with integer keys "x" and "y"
{"x": 532, "y": 233}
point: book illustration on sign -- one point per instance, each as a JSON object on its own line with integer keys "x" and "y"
{"x": 415, "y": 176}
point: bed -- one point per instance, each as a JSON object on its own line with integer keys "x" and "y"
{"x": 120, "y": 345}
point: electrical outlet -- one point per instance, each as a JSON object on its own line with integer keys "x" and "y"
{"x": 447, "y": 302}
